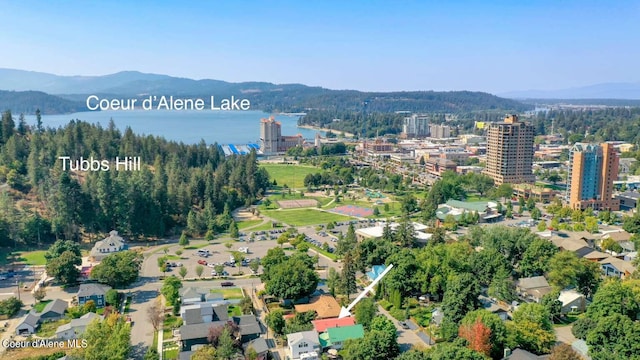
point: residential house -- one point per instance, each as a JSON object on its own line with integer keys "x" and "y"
{"x": 75, "y": 327}
{"x": 494, "y": 308}
{"x": 325, "y": 307}
{"x": 204, "y": 313}
{"x": 249, "y": 327}
{"x": 196, "y": 334}
{"x": 596, "y": 256}
{"x": 533, "y": 288}
{"x": 93, "y": 291}
{"x": 572, "y": 301}
{"x": 335, "y": 337}
{"x": 322, "y": 325}
{"x": 612, "y": 266}
{"x": 260, "y": 346}
{"x": 304, "y": 344}
{"x": 54, "y": 310}
{"x": 192, "y": 295}
{"x": 28, "y": 324}
{"x": 112, "y": 244}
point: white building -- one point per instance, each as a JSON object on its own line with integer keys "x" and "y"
{"x": 304, "y": 345}
{"x": 112, "y": 244}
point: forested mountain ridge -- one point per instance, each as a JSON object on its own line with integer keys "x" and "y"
{"x": 178, "y": 185}
{"x": 29, "y": 101}
{"x": 263, "y": 96}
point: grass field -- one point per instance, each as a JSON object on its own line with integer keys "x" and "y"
{"x": 302, "y": 217}
{"x": 229, "y": 293}
{"x": 48, "y": 329}
{"x": 33, "y": 257}
{"x": 292, "y": 175}
{"x": 266, "y": 226}
{"x": 247, "y": 223}
{"x": 40, "y": 305}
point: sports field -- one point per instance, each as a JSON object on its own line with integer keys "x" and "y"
{"x": 302, "y": 217}
{"x": 291, "y": 175}
{"x": 302, "y": 203}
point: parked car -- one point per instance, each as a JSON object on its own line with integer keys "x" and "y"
{"x": 226, "y": 283}
{"x": 202, "y": 262}
{"x": 404, "y": 325}
{"x": 211, "y": 265}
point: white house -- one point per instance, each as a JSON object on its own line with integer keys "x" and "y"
{"x": 28, "y": 324}
{"x": 572, "y": 301}
{"x": 112, "y": 244}
{"x": 304, "y": 345}
{"x": 75, "y": 327}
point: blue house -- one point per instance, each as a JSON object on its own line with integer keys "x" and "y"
{"x": 93, "y": 291}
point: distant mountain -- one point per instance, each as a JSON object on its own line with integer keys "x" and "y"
{"x": 29, "y": 101}
{"x": 628, "y": 91}
{"x": 263, "y": 96}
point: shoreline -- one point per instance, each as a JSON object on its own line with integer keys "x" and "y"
{"x": 337, "y": 132}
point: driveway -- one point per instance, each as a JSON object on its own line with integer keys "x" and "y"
{"x": 407, "y": 338}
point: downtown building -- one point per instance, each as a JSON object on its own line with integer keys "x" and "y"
{"x": 415, "y": 126}
{"x": 510, "y": 152}
{"x": 592, "y": 170}
{"x": 271, "y": 139}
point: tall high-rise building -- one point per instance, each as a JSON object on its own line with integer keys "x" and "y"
{"x": 439, "y": 131}
{"x": 510, "y": 151}
{"x": 415, "y": 126}
{"x": 270, "y": 133}
{"x": 592, "y": 170}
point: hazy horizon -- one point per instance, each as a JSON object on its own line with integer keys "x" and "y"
{"x": 495, "y": 46}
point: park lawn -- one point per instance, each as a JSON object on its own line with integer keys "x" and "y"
{"x": 33, "y": 257}
{"x": 247, "y": 223}
{"x": 229, "y": 293}
{"x": 476, "y": 197}
{"x": 40, "y": 305}
{"x": 48, "y": 329}
{"x": 234, "y": 310}
{"x": 291, "y": 175}
{"x": 306, "y": 216}
{"x": 331, "y": 256}
{"x": 195, "y": 247}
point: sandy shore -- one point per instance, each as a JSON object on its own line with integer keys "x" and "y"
{"x": 337, "y": 132}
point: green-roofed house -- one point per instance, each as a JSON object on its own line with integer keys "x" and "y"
{"x": 487, "y": 210}
{"x": 335, "y": 337}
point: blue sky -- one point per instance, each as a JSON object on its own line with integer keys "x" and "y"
{"x": 493, "y": 46}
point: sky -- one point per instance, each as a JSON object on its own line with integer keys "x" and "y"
{"x": 493, "y": 46}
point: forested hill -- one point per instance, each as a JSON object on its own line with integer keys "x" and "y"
{"x": 29, "y": 101}
{"x": 263, "y": 96}
{"x": 178, "y": 186}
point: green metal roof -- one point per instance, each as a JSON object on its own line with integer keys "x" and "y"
{"x": 342, "y": 333}
{"x": 479, "y": 206}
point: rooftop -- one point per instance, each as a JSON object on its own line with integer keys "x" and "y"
{"x": 325, "y": 306}
{"x": 324, "y": 324}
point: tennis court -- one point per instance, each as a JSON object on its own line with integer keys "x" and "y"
{"x": 353, "y": 210}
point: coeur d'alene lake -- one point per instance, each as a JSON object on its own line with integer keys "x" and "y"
{"x": 189, "y": 127}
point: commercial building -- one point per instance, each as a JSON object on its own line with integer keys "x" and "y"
{"x": 439, "y": 131}
{"x": 271, "y": 139}
{"x": 415, "y": 126}
{"x": 592, "y": 170}
{"x": 510, "y": 151}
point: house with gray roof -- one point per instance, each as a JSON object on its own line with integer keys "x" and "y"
{"x": 304, "y": 342}
{"x": 76, "y": 327}
{"x": 204, "y": 313}
{"x": 111, "y": 244}
{"x": 196, "y": 334}
{"x": 28, "y": 324}
{"x": 93, "y": 291}
{"x": 192, "y": 295}
{"x": 54, "y": 310}
{"x": 260, "y": 346}
{"x": 249, "y": 327}
{"x": 533, "y": 288}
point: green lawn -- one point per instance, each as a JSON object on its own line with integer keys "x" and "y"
{"x": 195, "y": 247}
{"x": 33, "y": 257}
{"x": 234, "y": 310}
{"x": 48, "y": 329}
{"x": 40, "y": 306}
{"x": 247, "y": 223}
{"x": 266, "y": 226}
{"x": 477, "y": 197}
{"x": 323, "y": 252}
{"x": 172, "y": 353}
{"x": 173, "y": 257}
{"x": 291, "y": 175}
{"x": 229, "y": 293}
{"x": 302, "y": 217}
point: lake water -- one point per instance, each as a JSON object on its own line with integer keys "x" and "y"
{"x": 223, "y": 127}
